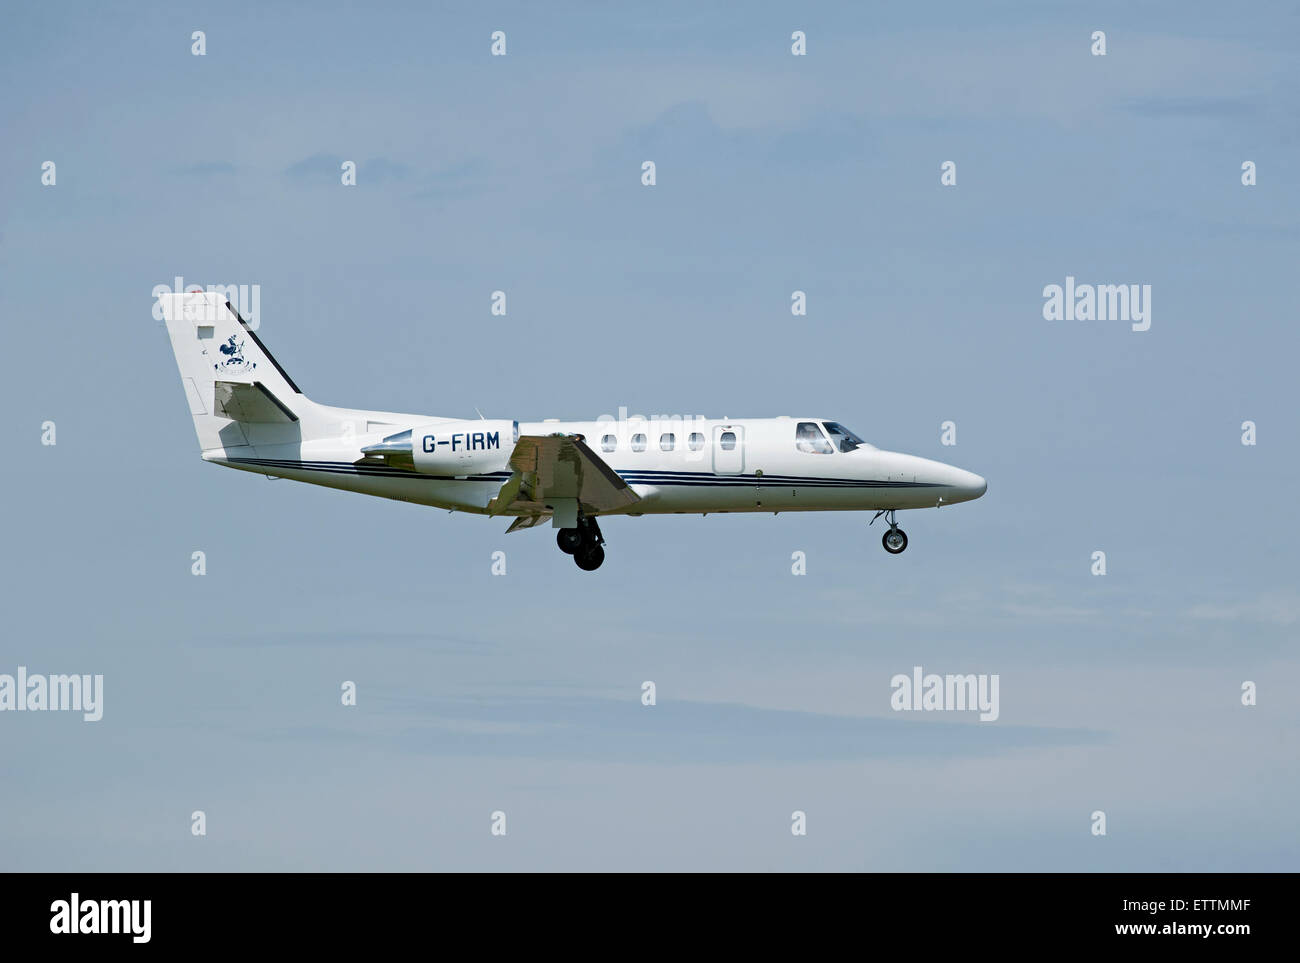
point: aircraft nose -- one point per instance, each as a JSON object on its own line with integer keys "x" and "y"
{"x": 964, "y": 486}
{"x": 947, "y": 483}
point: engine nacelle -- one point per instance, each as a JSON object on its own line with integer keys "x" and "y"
{"x": 464, "y": 447}
{"x": 454, "y": 448}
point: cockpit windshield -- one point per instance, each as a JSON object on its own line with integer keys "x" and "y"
{"x": 843, "y": 439}
{"x": 808, "y": 437}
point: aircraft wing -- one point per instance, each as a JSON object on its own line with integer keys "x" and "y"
{"x": 548, "y": 467}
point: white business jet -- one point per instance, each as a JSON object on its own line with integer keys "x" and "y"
{"x": 250, "y": 415}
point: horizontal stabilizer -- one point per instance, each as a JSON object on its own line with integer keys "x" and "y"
{"x": 249, "y": 402}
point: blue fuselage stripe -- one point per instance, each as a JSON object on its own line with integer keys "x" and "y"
{"x": 631, "y": 476}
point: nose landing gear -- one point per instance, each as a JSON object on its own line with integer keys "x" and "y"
{"x": 894, "y": 540}
{"x": 584, "y": 543}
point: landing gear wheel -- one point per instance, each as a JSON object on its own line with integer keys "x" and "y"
{"x": 569, "y": 540}
{"x": 895, "y": 541}
{"x": 590, "y": 558}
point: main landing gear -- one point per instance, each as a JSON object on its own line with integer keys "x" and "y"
{"x": 894, "y": 540}
{"x": 583, "y": 543}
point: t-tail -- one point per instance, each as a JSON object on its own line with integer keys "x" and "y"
{"x": 239, "y": 396}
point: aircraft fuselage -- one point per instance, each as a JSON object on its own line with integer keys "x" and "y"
{"x": 691, "y": 466}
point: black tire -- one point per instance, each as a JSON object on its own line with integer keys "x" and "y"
{"x": 898, "y": 537}
{"x": 590, "y": 559}
{"x": 569, "y": 540}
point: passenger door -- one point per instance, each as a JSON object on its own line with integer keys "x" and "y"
{"x": 728, "y": 450}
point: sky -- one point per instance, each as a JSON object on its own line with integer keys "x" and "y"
{"x": 521, "y": 693}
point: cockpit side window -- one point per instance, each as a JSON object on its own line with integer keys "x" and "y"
{"x": 843, "y": 439}
{"x": 808, "y": 437}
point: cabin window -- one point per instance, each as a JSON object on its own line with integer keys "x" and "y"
{"x": 667, "y": 441}
{"x": 727, "y": 441}
{"x": 842, "y": 438}
{"x": 608, "y": 443}
{"x": 638, "y": 442}
{"x": 696, "y": 441}
{"x": 808, "y": 437}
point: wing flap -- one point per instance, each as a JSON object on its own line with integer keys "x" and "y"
{"x": 525, "y": 521}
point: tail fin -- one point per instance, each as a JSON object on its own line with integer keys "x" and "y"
{"x": 237, "y": 392}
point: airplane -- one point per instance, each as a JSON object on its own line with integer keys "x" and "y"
{"x": 250, "y": 415}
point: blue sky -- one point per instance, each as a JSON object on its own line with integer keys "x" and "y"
{"x": 521, "y": 692}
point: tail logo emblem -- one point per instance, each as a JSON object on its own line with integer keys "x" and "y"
{"x": 234, "y": 361}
